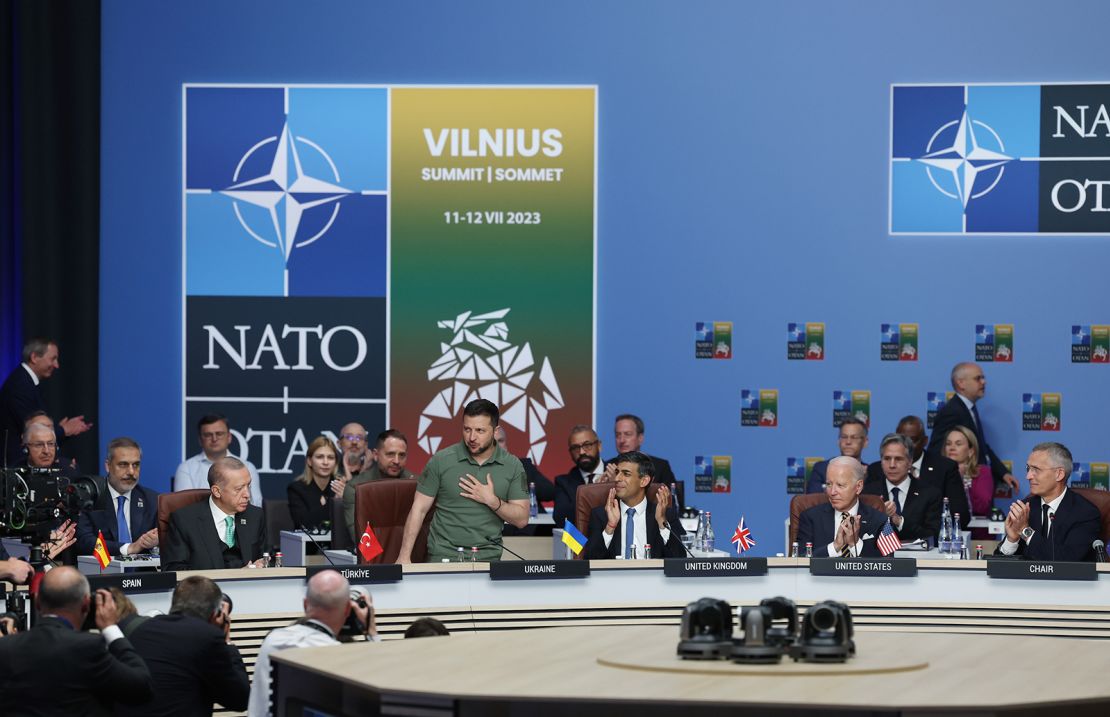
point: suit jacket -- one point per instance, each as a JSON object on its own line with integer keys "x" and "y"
{"x": 192, "y": 667}
{"x": 663, "y": 472}
{"x": 143, "y": 507}
{"x": 816, "y": 526}
{"x": 193, "y": 544}
{"x": 1076, "y": 525}
{"x": 19, "y": 397}
{"x": 54, "y": 670}
{"x": 955, "y": 413}
{"x": 566, "y": 496}
{"x": 595, "y": 544}
{"x": 941, "y": 473}
{"x": 920, "y": 508}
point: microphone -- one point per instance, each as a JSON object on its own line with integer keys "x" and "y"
{"x": 496, "y": 540}
{"x": 322, "y": 551}
{"x": 1100, "y": 551}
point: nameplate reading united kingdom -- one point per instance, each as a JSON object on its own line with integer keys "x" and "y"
{"x": 713, "y": 567}
{"x": 1037, "y": 570}
{"x": 539, "y": 569}
{"x": 362, "y": 574}
{"x": 134, "y": 582}
{"x": 864, "y": 567}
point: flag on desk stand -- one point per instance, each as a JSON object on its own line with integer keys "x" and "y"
{"x": 573, "y": 537}
{"x": 368, "y": 544}
{"x": 888, "y": 540}
{"x": 100, "y": 550}
{"x": 742, "y": 537}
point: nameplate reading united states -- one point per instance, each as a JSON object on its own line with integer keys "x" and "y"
{"x": 864, "y": 567}
{"x": 539, "y": 569}
{"x": 713, "y": 567}
{"x": 134, "y": 582}
{"x": 362, "y": 574}
{"x": 1036, "y": 570}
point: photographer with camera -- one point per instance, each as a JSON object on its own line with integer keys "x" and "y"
{"x": 333, "y": 613}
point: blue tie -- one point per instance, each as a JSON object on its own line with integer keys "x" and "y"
{"x": 629, "y": 533}
{"x": 897, "y": 506}
{"x": 121, "y": 521}
{"x": 979, "y": 436}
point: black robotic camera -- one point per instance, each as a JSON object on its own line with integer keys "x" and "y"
{"x": 706, "y": 630}
{"x": 765, "y": 637}
{"x": 826, "y": 634}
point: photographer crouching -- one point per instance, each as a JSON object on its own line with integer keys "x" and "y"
{"x": 333, "y": 613}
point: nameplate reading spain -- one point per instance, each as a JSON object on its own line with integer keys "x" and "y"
{"x": 864, "y": 567}
{"x": 713, "y": 567}
{"x": 1037, "y": 570}
{"x": 362, "y": 574}
{"x": 539, "y": 569}
{"x": 134, "y": 582}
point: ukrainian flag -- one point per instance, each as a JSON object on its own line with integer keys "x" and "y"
{"x": 573, "y": 538}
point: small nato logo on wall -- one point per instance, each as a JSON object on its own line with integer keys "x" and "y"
{"x": 934, "y": 401}
{"x": 994, "y": 342}
{"x": 1040, "y": 411}
{"x": 898, "y": 342}
{"x": 713, "y": 474}
{"x": 805, "y": 341}
{"x": 798, "y": 471}
{"x": 713, "y": 339}
{"x": 759, "y": 408}
{"x": 851, "y": 403}
{"x": 1000, "y": 159}
{"x": 1090, "y": 343}
{"x": 1090, "y": 475}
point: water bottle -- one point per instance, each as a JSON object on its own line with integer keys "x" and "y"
{"x": 809, "y": 550}
{"x": 957, "y": 539}
{"x": 277, "y": 559}
{"x": 709, "y": 538}
{"x": 474, "y": 553}
{"x": 699, "y": 534}
{"x": 265, "y": 560}
{"x": 462, "y": 556}
{"x": 647, "y": 551}
{"x": 945, "y": 544}
{"x": 794, "y": 549}
{"x": 533, "y": 506}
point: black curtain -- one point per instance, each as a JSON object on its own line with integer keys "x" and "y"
{"x": 50, "y": 199}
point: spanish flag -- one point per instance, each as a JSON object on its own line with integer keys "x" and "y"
{"x": 100, "y": 550}
{"x": 573, "y": 537}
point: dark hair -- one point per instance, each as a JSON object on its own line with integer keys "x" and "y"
{"x": 209, "y": 418}
{"x": 581, "y": 428}
{"x": 36, "y": 345}
{"x": 196, "y": 596}
{"x": 644, "y": 464}
{"x": 392, "y": 433}
{"x": 630, "y": 417}
{"x": 122, "y": 442}
{"x": 426, "y": 627}
{"x": 905, "y": 420}
{"x": 853, "y": 421}
{"x": 482, "y": 407}
{"x": 221, "y": 466}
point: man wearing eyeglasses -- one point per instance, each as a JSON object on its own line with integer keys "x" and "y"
{"x": 585, "y": 451}
{"x": 41, "y": 448}
{"x": 214, "y": 436}
{"x": 1052, "y": 523}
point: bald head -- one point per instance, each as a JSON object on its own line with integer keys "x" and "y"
{"x": 328, "y": 599}
{"x": 968, "y": 380}
{"x": 63, "y": 590}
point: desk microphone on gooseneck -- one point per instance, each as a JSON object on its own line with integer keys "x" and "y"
{"x": 322, "y": 551}
{"x": 497, "y": 541}
{"x": 1100, "y": 551}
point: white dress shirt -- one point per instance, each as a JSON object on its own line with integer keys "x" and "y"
{"x": 639, "y": 529}
{"x": 852, "y": 513}
{"x": 282, "y": 638}
{"x": 34, "y": 376}
{"x": 193, "y": 473}
{"x": 593, "y": 477}
{"x": 1010, "y": 547}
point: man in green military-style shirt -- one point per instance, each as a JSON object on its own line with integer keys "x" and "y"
{"x": 390, "y": 454}
{"x": 476, "y": 485}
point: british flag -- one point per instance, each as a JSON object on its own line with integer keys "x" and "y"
{"x": 742, "y": 537}
{"x": 888, "y": 540}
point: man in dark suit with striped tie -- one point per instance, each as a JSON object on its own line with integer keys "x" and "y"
{"x": 844, "y": 526}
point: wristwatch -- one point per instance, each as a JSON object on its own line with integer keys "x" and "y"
{"x": 1027, "y": 533}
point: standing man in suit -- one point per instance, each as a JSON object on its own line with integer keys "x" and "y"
{"x": 1053, "y": 523}
{"x": 849, "y": 526}
{"x": 20, "y": 396}
{"x": 912, "y": 505}
{"x": 938, "y": 471}
{"x": 628, "y": 512}
{"x": 851, "y": 440}
{"x": 214, "y": 436}
{"x": 225, "y": 531}
{"x": 55, "y": 669}
{"x": 190, "y": 656}
{"x": 629, "y": 433}
{"x": 585, "y": 450}
{"x": 970, "y": 385}
{"x": 127, "y": 513}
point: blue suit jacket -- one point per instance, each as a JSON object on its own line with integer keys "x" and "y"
{"x": 144, "y": 517}
{"x": 1076, "y": 525}
{"x": 816, "y": 526}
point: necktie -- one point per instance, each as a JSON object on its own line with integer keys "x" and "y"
{"x": 1046, "y": 522}
{"x": 229, "y": 531}
{"x": 629, "y": 533}
{"x": 979, "y": 436}
{"x": 897, "y": 503}
{"x": 121, "y": 520}
{"x": 846, "y": 551}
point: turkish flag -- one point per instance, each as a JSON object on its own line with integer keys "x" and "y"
{"x": 368, "y": 545}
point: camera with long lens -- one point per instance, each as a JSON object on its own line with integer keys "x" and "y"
{"x": 354, "y": 627}
{"x": 767, "y": 631}
{"x": 706, "y": 632}
{"x": 34, "y": 500}
{"x": 826, "y": 634}
{"x": 15, "y": 607}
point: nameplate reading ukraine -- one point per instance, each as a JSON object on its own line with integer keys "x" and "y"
{"x": 1038, "y": 570}
{"x": 362, "y": 574}
{"x": 864, "y": 567}
{"x": 539, "y": 569}
{"x": 713, "y": 567}
{"x": 134, "y": 582}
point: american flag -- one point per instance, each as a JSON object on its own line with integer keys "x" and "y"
{"x": 888, "y": 540}
{"x": 742, "y": 537}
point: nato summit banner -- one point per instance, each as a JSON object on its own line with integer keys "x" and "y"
{"x": 384, "y": 255}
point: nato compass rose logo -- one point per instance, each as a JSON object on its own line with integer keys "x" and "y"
{"x": 968, "y": 170}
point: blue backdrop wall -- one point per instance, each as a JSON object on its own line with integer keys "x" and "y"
{"x": 743, "y": 169}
